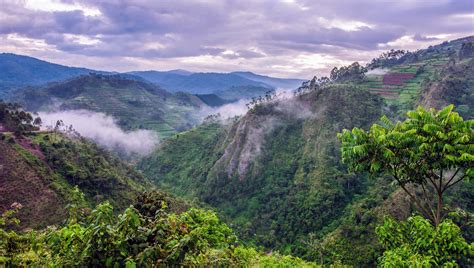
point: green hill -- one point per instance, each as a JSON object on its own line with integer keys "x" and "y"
{"x": 276, "y": 173}
{"x": 135, "y": 104}
{"x": 39, "y": 171}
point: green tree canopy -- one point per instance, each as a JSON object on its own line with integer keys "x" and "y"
{"x": 417, "y": 243}
{"x": 426, "y": 154}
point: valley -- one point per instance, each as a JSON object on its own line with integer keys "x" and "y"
{"x": 237, "y": 169}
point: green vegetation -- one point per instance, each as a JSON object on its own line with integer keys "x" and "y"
{"x": 277, "y": 175}
{"x": 39, "y": 169}
{"x": 135, "y": 104}
{"x": 417, "y": 243}
{"x": 431, "y": 150}
{"x": 13, "y": 119}
{"x": 99, "y": 174}
{"x": 100, "y": 238}
{"x": 288, "y": 190}
{"x": 427, "y": 154}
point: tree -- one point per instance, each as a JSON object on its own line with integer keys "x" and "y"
{"x": 37, "y": 121}
{"x": 348, "y": 73}
{"x": 429, "y": 152}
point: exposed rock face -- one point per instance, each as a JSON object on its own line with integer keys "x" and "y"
{"x": 247, "y": 138}
{"x": 246, "y": 144}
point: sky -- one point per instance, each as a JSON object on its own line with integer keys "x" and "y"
{"x": 287, "y": 38}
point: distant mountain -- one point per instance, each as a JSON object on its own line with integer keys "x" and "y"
{"x": 18, "y": 71}
{"x": 135, "y": 104}
{"x": 272, "y": 81}
{"x": 206, "y": 83}
{"x": 198, "y": 83}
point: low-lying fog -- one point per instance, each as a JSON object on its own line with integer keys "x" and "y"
{"x": 104, "y": 130}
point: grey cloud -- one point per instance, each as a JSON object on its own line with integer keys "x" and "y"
{"x": 176, "y": 29}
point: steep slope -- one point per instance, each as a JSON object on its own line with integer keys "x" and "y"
{"x": 39, "y": 170}
{"x": 276, "y": 173}
{"x": 134, "y": 104}
{"x": 18, "y": 71}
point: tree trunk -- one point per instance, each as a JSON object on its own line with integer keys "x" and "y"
{"x": 439, "y": 208}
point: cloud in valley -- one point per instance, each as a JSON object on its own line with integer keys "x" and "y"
{"x": 226, "y": 111}
{"x": 103, "y": 130}
{"x": 290, "y": 38}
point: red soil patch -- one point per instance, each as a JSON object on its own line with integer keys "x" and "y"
{"x": 397, "y": 78}
{"x": 30, "y": 147}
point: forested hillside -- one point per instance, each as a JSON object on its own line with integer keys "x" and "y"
{"x": 276, "y": 173}
{"x": 135, "y": 104}
{"x": 40, "y": 169}
{"x": 66, "y": 202}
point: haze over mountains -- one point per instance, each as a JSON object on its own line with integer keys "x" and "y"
{"x": 17, "y": 71}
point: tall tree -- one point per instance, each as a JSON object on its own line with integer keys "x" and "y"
{"x": 429, "y": 152}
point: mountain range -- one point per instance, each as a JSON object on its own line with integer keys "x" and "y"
{"x": 17, "y": 71}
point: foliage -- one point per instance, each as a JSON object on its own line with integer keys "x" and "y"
{"x": 353, "y": 72}
{"x": 102, "y": 239}
{"x": 290, "y": 189}
{"x": 14, "y": 119}
{"x": 431, "y": 149}
{"x": 97, "y": 173}
{"x": 417, "y": 243}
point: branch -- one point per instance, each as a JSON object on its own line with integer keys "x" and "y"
{"x": 414, "y": 199}
{"x": 459, "y": 180}
{"x": 427, "y": 200}
{"x": 454, "y": 175}
{"x": 432, "y": 182}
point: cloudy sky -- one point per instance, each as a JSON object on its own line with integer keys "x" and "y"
{"x": 287, "y": 38}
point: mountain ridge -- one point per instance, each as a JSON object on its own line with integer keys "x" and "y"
{"x": 17, "y": 71}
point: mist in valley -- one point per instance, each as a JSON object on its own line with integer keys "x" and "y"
{"x": 104, "y": 130}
